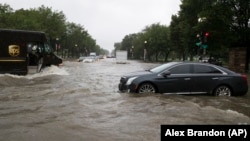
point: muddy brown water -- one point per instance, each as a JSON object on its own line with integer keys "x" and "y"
{"x": 81, "y": 102}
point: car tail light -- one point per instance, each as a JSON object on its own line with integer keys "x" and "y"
{"x": 244, "y": 77}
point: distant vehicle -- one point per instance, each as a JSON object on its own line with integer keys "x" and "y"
{"x": 211, "y": 60}
{"x": 80, "y": 59}
{"x": 110, "y": 56}
{"x": 92, "y": 54}
{"x": 20, "y": 49}
{"x": 102, "y": 56}
{"x": 89, "y": 59}
{"x": 186, "y": 78}
{"x": 121, "y": 56}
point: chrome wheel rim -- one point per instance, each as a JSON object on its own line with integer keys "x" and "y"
{"x": 223, "y": 91}
{"x": 147, "y": 88}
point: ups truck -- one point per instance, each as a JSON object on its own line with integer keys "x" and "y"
{"x": 21, "y": 50}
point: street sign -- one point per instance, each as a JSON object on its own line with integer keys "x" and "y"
{"x": 198, "y": 44}
{"x": 204, "y": 46}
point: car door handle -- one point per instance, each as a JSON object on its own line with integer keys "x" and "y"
{"x": 215, "y": 78}
{"x": 187, "y": 78}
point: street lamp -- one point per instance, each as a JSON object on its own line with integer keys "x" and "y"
{"x": 145, "y": 50}
{"x": 132, "y": 51}
{"x": 76, "y": 49}
{"x": 202, "y": 44}
{"x": 57, "y": 45}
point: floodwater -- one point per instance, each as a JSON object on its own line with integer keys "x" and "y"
{"x": 80, "y": 102}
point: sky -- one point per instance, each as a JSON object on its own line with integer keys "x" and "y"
{"x": 108, "y": 21}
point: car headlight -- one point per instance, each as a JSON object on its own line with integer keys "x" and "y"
{"x": 130, "y": 80}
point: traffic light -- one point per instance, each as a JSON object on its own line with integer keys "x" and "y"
{"x": 206, "y": 34}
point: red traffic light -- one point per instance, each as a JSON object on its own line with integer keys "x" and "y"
{"x": 206, "y": 34}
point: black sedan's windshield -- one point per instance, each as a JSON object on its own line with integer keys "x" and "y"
{"x": 163, "y": 67}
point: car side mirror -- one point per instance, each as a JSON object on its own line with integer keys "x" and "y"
{"x": 166, "y": 73}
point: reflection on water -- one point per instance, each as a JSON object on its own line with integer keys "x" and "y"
{"x": 80, "y": 101}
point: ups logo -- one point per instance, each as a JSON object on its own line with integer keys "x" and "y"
{"x": 14, "y": 50}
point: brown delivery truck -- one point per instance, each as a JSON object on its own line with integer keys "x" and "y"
{"x": 20, "y": 49}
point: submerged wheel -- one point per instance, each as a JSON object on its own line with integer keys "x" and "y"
{"x": 39, "y": 65}
{"x": 146, "y": 88}
{"x": 223, "y": 91}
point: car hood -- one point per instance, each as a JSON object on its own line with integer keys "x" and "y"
{"x": 137, "y": 73}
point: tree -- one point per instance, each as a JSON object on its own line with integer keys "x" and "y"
{"x": 79, "y": 42}
{"x": 73, "y": 38}
{"x": 157, "y": 36}
{"x": 5, "y": 12}
{"x": 228, "y": 23}
{"x": 176, "y": 35}
{"x": 241, "y": 26}
{"x": 118, "y": 46}
{"x": 183, "y": 26}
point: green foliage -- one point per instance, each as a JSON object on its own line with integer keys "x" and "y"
{"x": 226, "y": 21}
{"x": 157, "y": 43}
{"x": 5, "y": 12}
{"x": 73, "y": 39}
{"x": 118, "y": 46}
{"x": 157, "y": 37}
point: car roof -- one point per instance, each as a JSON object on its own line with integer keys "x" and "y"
{"x": 207, "y": 64}
{"x": 190, "y": 62}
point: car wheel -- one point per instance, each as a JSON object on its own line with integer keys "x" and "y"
{"x": 39, "y": 65}
{"x": 146, "y": 88}
{"x": 223, "y": 91}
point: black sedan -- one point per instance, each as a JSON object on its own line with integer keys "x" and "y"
{"x": 186, "y": 78}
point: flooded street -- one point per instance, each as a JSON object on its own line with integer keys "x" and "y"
{"x": 80, "y": 101}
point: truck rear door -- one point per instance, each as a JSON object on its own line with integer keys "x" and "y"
{"x": 13, "y": 53}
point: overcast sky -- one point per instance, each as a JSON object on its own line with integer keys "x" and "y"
{"x": 108, "y": 21}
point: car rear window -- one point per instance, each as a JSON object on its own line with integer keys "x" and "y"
{"x": 205, "y": 69}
